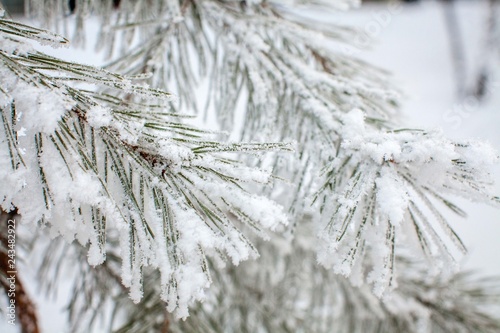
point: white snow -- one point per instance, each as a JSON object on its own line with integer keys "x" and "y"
{"x": 414, "y": 45}
{"x": 99, "y": 116}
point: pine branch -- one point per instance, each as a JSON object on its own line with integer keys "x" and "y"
{"x": 290, "y": 293}
{"x": 121, "y": 161}
{"x": 180, "y": 195}
{"x": 383, "y": 185}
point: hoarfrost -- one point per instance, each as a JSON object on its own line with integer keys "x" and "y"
{"x": 389, "y": 175}
{"x": 99, "y": 116}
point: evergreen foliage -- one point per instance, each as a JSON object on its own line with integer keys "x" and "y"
{"x": 342, "y": 205}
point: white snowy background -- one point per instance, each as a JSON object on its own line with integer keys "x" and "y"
{"x": 411, "y": 41}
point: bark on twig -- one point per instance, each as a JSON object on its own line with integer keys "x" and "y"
{"x": 23, "y": 309}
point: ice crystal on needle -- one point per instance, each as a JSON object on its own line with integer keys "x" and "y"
{"x": 381, "y": 182}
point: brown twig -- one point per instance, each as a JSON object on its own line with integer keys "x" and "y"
{"x": 166, "y": 324}
{"x": 20, "y": 307}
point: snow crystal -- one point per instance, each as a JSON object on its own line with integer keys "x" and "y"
{"x": 85, "y": 188}
{"x": 99, "y": 116}
{"x": 10, "y": 46}
{"x": 194, "y": 280}
{"x": 353, "y": 124}
{"x": 479, "y": 155}
{"x": 392, "y": 198}
{"x": 41, "y": 108}
{"x": 95, "y": 256}
{"x": 176, "y": 155}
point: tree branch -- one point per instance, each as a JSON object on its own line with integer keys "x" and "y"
{"x": 23, "y": 307}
